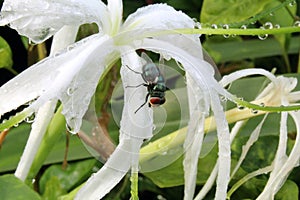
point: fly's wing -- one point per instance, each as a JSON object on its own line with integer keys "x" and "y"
{"x": 208, "y": 59}
{"x": 146, "y": 58}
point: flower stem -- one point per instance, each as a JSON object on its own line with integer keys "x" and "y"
{"x": 134, "y": 185}
{"x": 237, "y": 31}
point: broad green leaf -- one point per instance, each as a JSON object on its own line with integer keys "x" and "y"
{"x": 5, "y": 55}
{"x": 289, "y": 191}
{"x": 235, "y": 50}
{"x": 53, "y": 189}
{"x": 13, "y": 188}
{"x": 69, "y": 177}
{"x": 233, "y": 11}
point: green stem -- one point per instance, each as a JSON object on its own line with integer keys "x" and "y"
{"x": 256, "y": 107}
{"x": 236, "y": 31}
{"x": 14, "y": 72}
{"x": 134, "y": 185}
{"x": 248, "y": 177}
{"x": 15, "y": 119}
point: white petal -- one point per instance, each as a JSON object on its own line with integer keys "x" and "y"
{"x": 40, "y": 19}
{"x": 139, "y": 124}
{"x": 99, "y": 184}
{"x": 115, "y": 8}
{"x": 224, "y": 147}
{"x": 158, "y": 16}
{"x": 39, "y": 126}
{"x": 194, "y": 138}
{"x": 71, "y": 77}
{"x": 293, "y": 160}
{"x": 246, "y": 72}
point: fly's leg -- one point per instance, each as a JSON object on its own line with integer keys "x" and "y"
{"x": 133, "y": 70}
{"x": 146, "y": 100}
{"x": 136, "y": 86}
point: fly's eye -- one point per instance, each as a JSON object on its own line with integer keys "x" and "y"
{"x": 156, "y": 101}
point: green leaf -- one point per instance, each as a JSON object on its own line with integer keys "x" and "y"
{"x": 68, "y": 178}
{"x": 225, "y": 12}
{"x": 289, "y": 191}
{"x": 236, "y": 50}
{"x": 13, "y": 188}
{"x": 6, "y": 60}
{"x": 53, "y": 189}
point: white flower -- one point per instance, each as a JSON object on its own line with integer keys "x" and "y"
{"x": 72, "y": 75}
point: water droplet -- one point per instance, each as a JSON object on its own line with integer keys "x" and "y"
{"x": 16, "y": 125}
{"x": 276, "y": 26}
{"x": 262, "y": 104}
{"x": 263, "y": 37}
{"x": 268, "y": 25}
{"x": 244, "y": 26}
{"x": 297, "y": 23}
{"x": 70, "y": 91}
{"x": 271, "y": 14}
{"x": 214, "y": 26}
{"x": 33, "y": 181}
{"x": 292, "y": 3}
{"x": 240, "y": 107}
{"x": 160, "y": 197}
{"x": 253, "y": 111}
{"x": 16, "y": 83}
{"x": 70, "y": 47}
{"x": 223, "y": 98}
{"x": 70, "y": 130}
{"x": 153, "y": 127}
{"x": 30, "y": 119}
{"x": 226, "y": 26}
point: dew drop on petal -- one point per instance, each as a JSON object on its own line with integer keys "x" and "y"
{"x": 70, "y": 130}
{"x": 70, "y": 91}
{"x": 253, "y": 111}
{"x": 240, "y": 107}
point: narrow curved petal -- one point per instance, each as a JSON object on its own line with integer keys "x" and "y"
{"x": 203, "y": 75}
{"x": 115, "y": 8}
{"x": 40, "y": 19}
{"x": 39, "y": 127}
{"x": 134, "y": 129}
{"x": 292, "y": 161}
{"x": 194, "y": 137}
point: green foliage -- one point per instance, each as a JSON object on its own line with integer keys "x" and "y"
{"x": 13, "y": 188}
{"x": 280, "y": 51}
{"x": 6, "y": 56}
{"x": 226, "y": 12}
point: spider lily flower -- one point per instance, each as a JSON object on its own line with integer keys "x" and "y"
{"x": 71, "y": 76}
{"x": 277, "y": 93}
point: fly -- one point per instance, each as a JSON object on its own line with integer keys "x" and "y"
{"x": 154, "y": 81}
